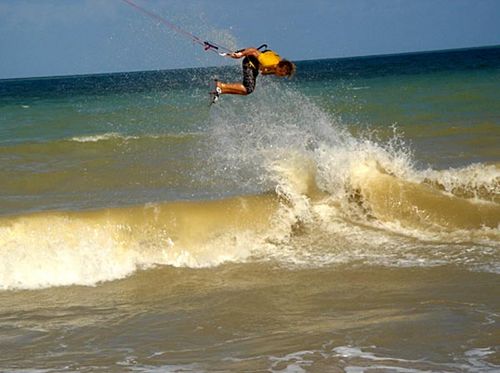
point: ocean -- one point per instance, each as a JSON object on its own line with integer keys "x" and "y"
{"x": 343, "y": 220}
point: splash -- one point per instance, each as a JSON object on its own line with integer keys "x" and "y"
{"x": 345, "y": 198}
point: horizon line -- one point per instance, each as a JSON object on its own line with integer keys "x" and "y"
{"x": 208, "y": 67}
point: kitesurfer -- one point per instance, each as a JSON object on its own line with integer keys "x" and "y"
{"x": 254, "y": 62}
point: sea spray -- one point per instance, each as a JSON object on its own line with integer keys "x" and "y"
{"x": 248, "y": 135}
{"x": 359, "y": 194}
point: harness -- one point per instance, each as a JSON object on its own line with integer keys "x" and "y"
{"x": 269, "y": 58}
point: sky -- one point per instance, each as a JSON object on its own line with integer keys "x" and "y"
{"x": 67, "y": 37}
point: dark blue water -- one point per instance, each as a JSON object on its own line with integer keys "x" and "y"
{"x": 464, "y": 60}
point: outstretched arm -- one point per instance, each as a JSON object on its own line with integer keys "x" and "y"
{"x": 245, "y": 52}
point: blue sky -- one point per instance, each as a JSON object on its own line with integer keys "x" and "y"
{"x": 62, "y": 37}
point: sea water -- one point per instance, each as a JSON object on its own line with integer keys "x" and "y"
{"x": 346, "y": 219}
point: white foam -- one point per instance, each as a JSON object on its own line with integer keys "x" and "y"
{"x": 102, "y": 137}
{"x": 472, "y": 361}
{"x": 295, "y": 362}
{"x": 56, "y": 250}
{"x": 474, "y": 180}
{"x": 174, "y": 368}
{"x": 36, "y": 255}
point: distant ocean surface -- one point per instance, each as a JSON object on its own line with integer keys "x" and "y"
{"x": 344, "y": 220}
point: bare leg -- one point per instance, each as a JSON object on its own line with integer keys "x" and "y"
{"x": 232, "y": 88}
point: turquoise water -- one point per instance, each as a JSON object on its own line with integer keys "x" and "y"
{"x": 346, "y": 219}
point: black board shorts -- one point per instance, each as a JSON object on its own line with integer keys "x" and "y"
{"x": 250, "y": 71}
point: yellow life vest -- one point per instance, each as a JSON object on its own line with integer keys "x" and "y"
{"x": 269, "y": 58}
